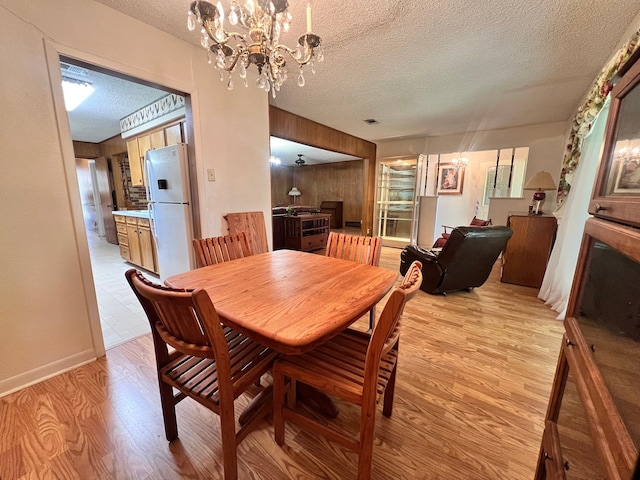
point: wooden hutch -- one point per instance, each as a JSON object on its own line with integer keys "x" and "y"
{"x": 592, "y": 427}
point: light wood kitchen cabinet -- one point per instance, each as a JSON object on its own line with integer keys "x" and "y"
{"x": 174, "y": 134}
{"x": 157, "y": 139}
{"x": 147, "y": 247}
{"x": 136, "y": 242}
{"x": 135, "y": 163}
{"x": 137, "y": 147}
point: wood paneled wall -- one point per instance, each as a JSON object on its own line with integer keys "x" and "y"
{"x": 342, "y": 181}
{"x": 292, "y": 127}
{"x": 109, "y": 147}
{"x": 113, "y": 146}
{"x": 86, "y": 150}
{"x": 281, "y": 183}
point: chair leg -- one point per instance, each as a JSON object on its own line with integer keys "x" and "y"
{"x": 367, "y": 434}
{"x": 229, "y": 443}
{"x": 168, "y": 411}
{"x": 372, "y": 319}
{"x": 278, "y": 404}
{"x": 387, "y": 408}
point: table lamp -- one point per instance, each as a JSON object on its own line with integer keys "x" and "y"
{"x": 294, "y": 192}
{"x": 540, "y": 182}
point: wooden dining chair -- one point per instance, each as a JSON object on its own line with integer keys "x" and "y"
{"x": 365, "y": 250}
{"x": 214, "y": 250}
{"x": 355, "y": 366}
{"x": 210, "y": 363}
{"x": 252, "y": 223}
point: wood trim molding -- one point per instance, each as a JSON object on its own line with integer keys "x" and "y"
{"x": 298, "y": 129}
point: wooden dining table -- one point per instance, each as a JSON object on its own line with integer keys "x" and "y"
{"x": 288, "y": 300}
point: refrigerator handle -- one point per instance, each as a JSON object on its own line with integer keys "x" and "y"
{"x": 146, "y": 177}
{"x": 152, "y": 221}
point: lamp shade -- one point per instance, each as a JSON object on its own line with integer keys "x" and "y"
{"x": 540, "y": 181}
{"x": 294, "y": 192}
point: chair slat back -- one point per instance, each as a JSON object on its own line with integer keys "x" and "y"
{"x": 214, "y": 250}
{"x": 387, "y": 329}
{"x": 365, "y": 250}
{"x": 252, "y": 223}
{"x": 184, "y": 319}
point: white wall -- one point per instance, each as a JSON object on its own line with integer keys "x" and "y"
{"x": 546, "y": 149}
{"x": 48, "y": 310}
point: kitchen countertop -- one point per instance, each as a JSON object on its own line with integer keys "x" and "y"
{"x": 132, "y": 213}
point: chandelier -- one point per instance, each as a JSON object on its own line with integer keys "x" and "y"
{"x": 258, "y": 43}
{"x": 460, "y": 162}
{"x": 628, "y": 154}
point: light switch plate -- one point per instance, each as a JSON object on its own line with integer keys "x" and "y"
{"x": 211, "y": 175}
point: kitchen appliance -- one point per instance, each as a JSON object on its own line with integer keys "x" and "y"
{"x": 169, "y": 198}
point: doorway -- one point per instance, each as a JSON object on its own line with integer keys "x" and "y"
{"x": 105, "y": 185}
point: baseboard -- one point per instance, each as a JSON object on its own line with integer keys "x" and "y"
{"x": 37, "y": 375}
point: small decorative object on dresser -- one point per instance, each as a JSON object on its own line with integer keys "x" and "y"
{"x": 540, "y": 182}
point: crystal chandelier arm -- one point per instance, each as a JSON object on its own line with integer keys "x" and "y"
{"x": 308, "y": 54}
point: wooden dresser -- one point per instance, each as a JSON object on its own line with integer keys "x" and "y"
{"x": 524, "y": 261}
{"x": 306, "y": 232}
{"x": 335, "y": 210}
{"x": 592, "y": 426}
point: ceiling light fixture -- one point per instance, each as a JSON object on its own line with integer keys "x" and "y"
{"x": 75, "y": 92}
{"x": 274, "y": 160}
{"x": 263, "y": 22}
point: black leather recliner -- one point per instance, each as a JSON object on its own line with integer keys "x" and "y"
{"x": 465, "y": 261}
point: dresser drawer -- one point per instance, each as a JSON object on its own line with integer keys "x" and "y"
{"x": 143, "y": 222}
{"x": 119, "y": 219}
{"x": 124, "y": 252}
{"x": 132, "y": 221}
{"x": 314, "y": 242}
{"x": 121, "y": 228}
{"x": 123, "y": 239}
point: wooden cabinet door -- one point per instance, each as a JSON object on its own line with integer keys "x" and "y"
{"x": 157, "y": 139}
{"x": 173, "y": 134}
{"x": 527, "y": 252}
{"x": 144, "y": 144}
{"x": 137, "y": 178}
{"x": 146, "y": 249}
{"x": 134, "y": 244}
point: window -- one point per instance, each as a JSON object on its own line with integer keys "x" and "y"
{"x": 509, "y": 180}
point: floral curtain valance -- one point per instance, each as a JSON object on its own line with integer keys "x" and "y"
{"x": 587, "y": 112}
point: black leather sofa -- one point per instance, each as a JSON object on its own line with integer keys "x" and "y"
{"x": 464, "y": 262}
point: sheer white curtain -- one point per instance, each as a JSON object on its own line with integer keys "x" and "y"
{"x": 558, "y": 278}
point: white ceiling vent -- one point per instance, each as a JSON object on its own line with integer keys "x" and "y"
{"x": 73, "y": 69}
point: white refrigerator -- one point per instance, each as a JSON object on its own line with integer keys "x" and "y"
{"x": 169, "y": 198}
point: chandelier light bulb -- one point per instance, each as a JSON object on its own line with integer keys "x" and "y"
{"x": 255, "y": 41}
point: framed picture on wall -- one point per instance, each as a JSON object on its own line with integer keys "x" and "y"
{"x": 450, "y": 179}
{"x": 628, "y": 178}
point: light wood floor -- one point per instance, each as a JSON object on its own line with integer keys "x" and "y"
{"x": 474, "y": 377}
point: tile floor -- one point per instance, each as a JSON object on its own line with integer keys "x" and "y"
{"x": 121, "y": 315}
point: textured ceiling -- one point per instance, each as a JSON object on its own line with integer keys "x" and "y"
{"x": 425, "y": 68}
{"x": 98, "y": 117}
